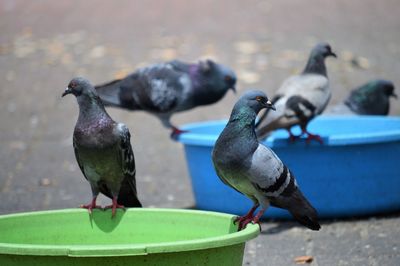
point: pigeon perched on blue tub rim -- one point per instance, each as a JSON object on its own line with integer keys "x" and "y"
{"x": 300, "y": 98}
{"x": 371, "y": 98}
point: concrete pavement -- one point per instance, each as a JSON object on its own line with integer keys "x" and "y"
{"x": 45, "y": 43}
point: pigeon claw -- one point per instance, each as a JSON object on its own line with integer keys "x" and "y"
{"x": 90, "y": 207}
{"x": 176, "y": 132}
{"x": 292, "y": 137}
{"x": 242, "y": 221}
{"x": 114, "y": 206}
{"x": 256, "y": 220}
{"x": 314, "y": 137}
{"x": 247, "y": 218}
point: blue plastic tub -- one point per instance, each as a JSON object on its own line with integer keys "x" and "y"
{"x": 355, "y": 172}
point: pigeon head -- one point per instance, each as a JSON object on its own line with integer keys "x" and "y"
{"x": 256, "y": 100}
{"x": 251, "y": 103}
{"x": 387, "y": 88}
{"x": 371, "y": 98}
{"x": 90, "y": 105}
{"x": 217, "y": 77}
{"x": 375, "y": 88}
{"x": 323, "y": 49}
{"x": 79, "y": 86}
{"x": 316, "y": 60}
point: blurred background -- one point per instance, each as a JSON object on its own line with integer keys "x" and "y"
{"x": 43, "y": 44}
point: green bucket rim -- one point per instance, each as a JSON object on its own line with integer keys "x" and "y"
{"x": 250, "y": 232}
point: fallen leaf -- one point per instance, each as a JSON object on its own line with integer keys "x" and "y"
{"x": 10, "y": 76}
{"x": 55, "y": 48}
{"x": 168, "y": 54}
{"x": 45, "y": 182}
{"x": 249, "y": 77}
{"x": 164, "y": 54}
{"x": 4, "y": 49}
{"x": 66, "y": 59}
{"x": 17, "y": 145}
{"x": 346, "y": 56}
{"x": 97, "y": 52}
{"x": 303, "y": 259}
{"x": 360, "y": 62}
{"x": 209, "y": 52}
{"x": 247, "y": 47}
{"x": 120, "y": 74}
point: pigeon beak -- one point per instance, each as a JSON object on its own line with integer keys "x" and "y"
{"x": 332, "y": 54}
{"x": 270, "y": 105}
{"x": 394, "y": 95}
{"x": 233, "y": 89}
{"x": 66, "y": 92}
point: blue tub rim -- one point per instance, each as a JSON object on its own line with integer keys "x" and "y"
{"x": 190, "y": 138}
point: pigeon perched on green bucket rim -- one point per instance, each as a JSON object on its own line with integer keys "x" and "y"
{"x": 166, "y": 88}
{"x": 372, "y": 98}
{"x": 254, "y": 170}
{"x": 102, "y": 149}
{"x": 300, "y": 98}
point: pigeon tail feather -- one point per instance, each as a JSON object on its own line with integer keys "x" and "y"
{"x": 109, "y": 93}
{"x": 127, "y": 195}
{"x": 303, "y": 212}
{"x": 129, "y": 200}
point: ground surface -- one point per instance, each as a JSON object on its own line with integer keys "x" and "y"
{"x": 45, "y": 43}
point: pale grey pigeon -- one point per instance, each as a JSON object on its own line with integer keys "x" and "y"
{"x": 371, "y": 98}
{"x": 103, "y": 150}
{"x": 254, "y": 170}
{"x": 166, "y": 88}
{"x": 300, "y": 98}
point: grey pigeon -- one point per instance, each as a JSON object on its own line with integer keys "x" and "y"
{"x": 300, "y": 98}
{"x": 103, "y": 150}
{"x": 371, "y": 98}
{"x": 166, "y": 88}
{"x": 254, "y": 170}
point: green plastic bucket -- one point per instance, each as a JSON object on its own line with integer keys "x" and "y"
{"x": 133, "y": 237}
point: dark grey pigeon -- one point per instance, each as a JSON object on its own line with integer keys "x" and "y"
{"x": 300, "y": 98}
{"x": 371, "y": 98}
{"x": 166, "y": 88}
{"x": 254, "y": 170}
{"x": 103, "y": 149}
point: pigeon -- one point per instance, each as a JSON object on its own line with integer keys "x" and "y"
{"x": 166, "y": 88}
{"x": 103, "y": 150}
{"x": 300, "y": 98}
{"x": 254, "y": 170}
{"x": 371, "y": 98}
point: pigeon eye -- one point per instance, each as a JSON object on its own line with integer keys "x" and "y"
{"x": 72, "y": 85}
{"x": 228, "y": 78}
{"x": 259, "y": 98}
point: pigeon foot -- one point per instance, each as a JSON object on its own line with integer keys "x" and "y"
{"x": 245, "y": 219}
{"x": 92, "y": 205}
{"x": 313, "y": 137}
{"x": 256, "y": 219}
{"x": 114, "y": 206}
{"x": 176, "y": 132}
{"x": 243, "y": 222}
{"x": 292, "y": 137}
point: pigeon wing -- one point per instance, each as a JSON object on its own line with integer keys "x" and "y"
{"x": 128, "y": 193}
{"x": 267, "y": 173}
{"x": 277, "y": 183}
{"x": 157, "y": 89}
{"x": 80, "y": 163}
